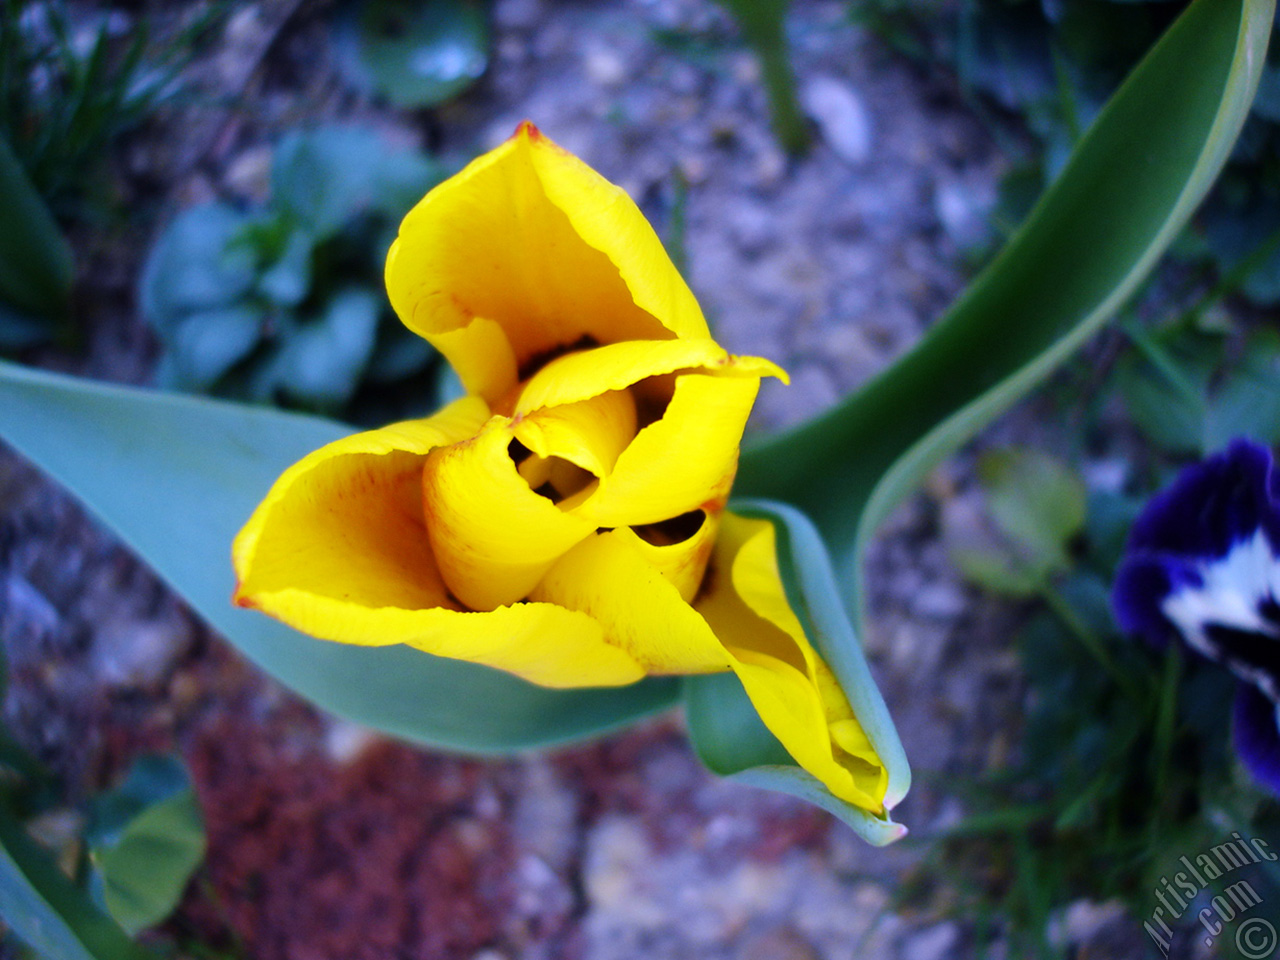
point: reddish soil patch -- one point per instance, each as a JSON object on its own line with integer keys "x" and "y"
{"x": 383, "y": 856}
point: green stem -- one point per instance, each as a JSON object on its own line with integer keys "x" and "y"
{"x": 1166, "y": 716}
{"x": 1159, "y": 359}
{"x": 789, "y": 124}
{"x": 1080, "y": 630}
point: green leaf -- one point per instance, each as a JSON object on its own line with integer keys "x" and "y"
{"x": 994, "y": 570}
{"x": 197, "y": 264}
{"x": 1165, "y": 382}
{"x": 324, "y": 177}
{"x": 398, "y": 353}
{"x": 36, "y": 266}
{"x": 1188, "y": 399}
{"x": 728, "y": 734}
{"x": 46, "y": 912}
{"x": 1035, "y": 500}
{"x": 1129, "y": 187}
{"x": 206, "y": 344}
{"x": 321, "y": 362}
{"x": 286, "y": 282}
{"x": 147, "y": 840}
{"x": 176, "y": 477}
{"x": 416, "y": 54}
{"x": 1247, "y": 403}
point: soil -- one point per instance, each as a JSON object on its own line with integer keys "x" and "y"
{"x": 330, "y": 841}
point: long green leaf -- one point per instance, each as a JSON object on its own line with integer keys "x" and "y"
{"x": 42, "y": 907}
{"x": 728, "y": 734}
{"x": 36, "y": 268}
{"x": 1129, "y": 187}
{"x": 177, "y": 476}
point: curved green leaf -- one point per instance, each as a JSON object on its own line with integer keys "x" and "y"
{"x": 46, "y": 911}
{"x": 728, "y": 734}
{"x": 1129, "y": 187}
{"x": 177, "y": 476}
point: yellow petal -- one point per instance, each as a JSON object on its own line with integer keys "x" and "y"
{"x": 586, "y": 373}
{"x": 590, "y": 433}
{"x": 685, "y": 461}
{"x": 346, "y": 521}
{"x": 492, "y": 536}
{"x": 532, "y": 239}
{"x": 681, "y": 557}
{"x": 791, "y": 687}
{"x": 543, "y": 643}
{"x": 640, "y": 611}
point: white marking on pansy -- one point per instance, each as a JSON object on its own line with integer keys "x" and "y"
{"x": 1232, "y": 593}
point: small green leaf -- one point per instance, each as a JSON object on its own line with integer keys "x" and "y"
{"x": 46, "y": 912}
{"x": 1189, "y": 399}
{"x": 398, "y": 353}
{"x": 1164, "y": 383}
{"x": 321, "y": 362}
{"x": 286, "y": 282}
{"x": 1247, "y": 402}
{"x": 197, "y": 264}
{"x": 994, "y": 570}
{"x": 728, "y": 734}
{"x": 206, "y": 344}
{"x": 147, "y": 840}
{"x": 1035, "y": 500}
{"x": 177, "y": 476}
{"x": 416, "y": 54}
{"x": 36, "y": 265}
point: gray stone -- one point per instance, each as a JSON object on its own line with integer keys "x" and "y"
{"x": 841, "y": 117}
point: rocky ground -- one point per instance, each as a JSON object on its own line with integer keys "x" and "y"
{"x": 328, "y": 841}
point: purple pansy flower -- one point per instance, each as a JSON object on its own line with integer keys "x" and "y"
{"x": 1203, "y": 565}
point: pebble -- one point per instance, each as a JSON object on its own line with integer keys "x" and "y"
{"x": 604, "y": 67}
{"x": 140, "y": 654}
{"x": 935, "y": 943}
{"x": 963, "y": 210}
{"x": 841, "y": 116}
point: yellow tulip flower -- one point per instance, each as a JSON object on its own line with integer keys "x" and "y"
{"x": 565, "y": 520}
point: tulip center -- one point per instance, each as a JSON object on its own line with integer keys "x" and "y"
{"x": 555, "y": 478}
{"x": 667, "y": 533}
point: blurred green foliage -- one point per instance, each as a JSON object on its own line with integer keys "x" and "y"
{"x": 415, "y": 53}
{"x": 36, "y": 267}
{"x": 1052, "y": 64}
{"x": 284, "y": 303}
{"x": 1125, "y": 760}
{"x": 146, "y": 838}
{"x": 72, "y": 82}
{"x": 77, "y": 884}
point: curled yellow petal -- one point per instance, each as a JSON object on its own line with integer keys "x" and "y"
{"x": 639, "y": 610}
{"x": 492, "y": 535}
{"x": 533, "y": 240}
{"x": 590, "y": 433}
{"x": 791, "y": 687}
{"x": 346, "y": 521}
{"x": 684, "y": 461}
{"x": 679, "y": 548}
